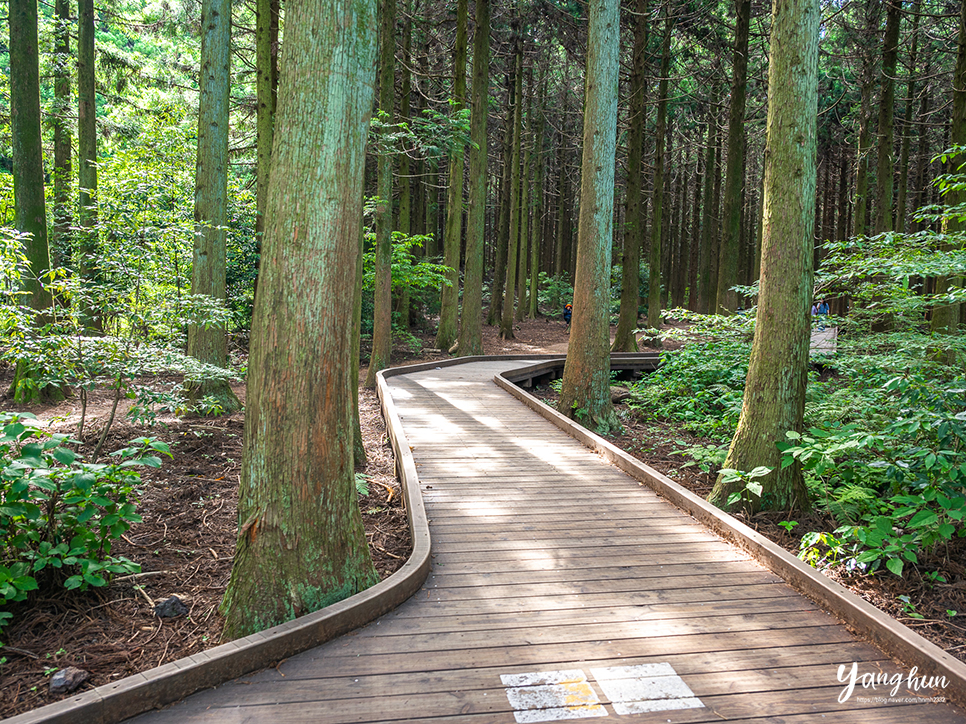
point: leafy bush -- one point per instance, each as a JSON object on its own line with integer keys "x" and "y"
{"x": 699, "y": 385}
{"x": 897, "y": 491}
{"x": 59, "y": 514}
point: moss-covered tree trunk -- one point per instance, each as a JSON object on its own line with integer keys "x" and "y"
{"x": 449, "y": 301}
{"x": 657, "y": 216}
{"x": 208, "y": 343}
{"x": 471, "y": 322}
{"x": 60, "y": 240}
{"x": 634, "y": 221}
{"x": 774, "y": 399}
{"x": 382, "y": 296}
{"x": 28, "y": 161}
{"x": 585, "y": 393}
{"x": 735, "y": 172}
{"x": 301, "y": 544}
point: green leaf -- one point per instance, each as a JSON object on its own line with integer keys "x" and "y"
{"x": 895, "y": 566}
{"x": 923, "y": 518}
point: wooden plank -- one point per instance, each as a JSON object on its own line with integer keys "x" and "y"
{"x": 394, "y": 624}
{"x": 472, "y": 604}
{"x": 449, "y": 579}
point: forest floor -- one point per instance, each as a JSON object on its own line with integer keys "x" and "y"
{"x": 186, "y": 541}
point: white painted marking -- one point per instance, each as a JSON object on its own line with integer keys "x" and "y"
{"x": 645, "y": 688}
{"x": 551, "y": 696}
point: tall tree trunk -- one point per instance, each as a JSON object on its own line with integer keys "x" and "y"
{"x": 774, "y": 398}
{"x": 867, "y": 82}
{"x": 654, "y": 265}
{"x": 885, "y": 172}
{"x": 634, "y": 221}
{"x": 694, "y": 252}
{"x": 62, "y": 133}
{"x": 382, "y": 296}
{"x": 449, "y": 307}
{"x": 513, "y": 240}
{"x": 28, "y": 160}
{"x": 585, "y": 392}
{"x": 88, "y": 250}
{"x": 266, "y": 19}
{"x": 902, "y": 193}
{"x": 842, "y": 220}
{"x": 471, "y": 332}
{"x": 538, "y": 204}
{"x": 945, "y": 319}
{"x": 301, "y": 545}
{"x": 208, "y": 343}
{"x": 705, "y": 299}
{"x": 28, "y": 183}
{"x": 679, "y": 275}
{"x": 404, "y": 220}
{"x": 495, "y": 313}
{"x": 727, "y": 300}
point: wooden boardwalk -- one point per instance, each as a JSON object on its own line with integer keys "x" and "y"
{"x": 561, "y": 588}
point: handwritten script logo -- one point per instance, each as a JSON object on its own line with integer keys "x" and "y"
{"x": 890, "y": 682}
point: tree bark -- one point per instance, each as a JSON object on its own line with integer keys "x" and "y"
{"x": 727, "y": 300}
{"x": 62, "y": 134}
{"x": 382, "y": 296}
{"x": 654, "y": 265}
{"x": 449, "y": 306}
{"x": 634, "y": 221}
{"x": 301, "y": 545}
{"x": 867, "y": 80}
{"x": 705, "y": 299}
{"x": 471, "y": 329}
{"x": 28, "y": 161}
{"x": 208, "y": 343}
{"x": 88, "y": 250}
{"x": 585, "y": 392}
{"x": 885, "y": 172}
{"x": 774, "y": 398}
{"x": 513, "y": 239}
{"x": 945, "y": 319}
{"x": 902, "y": 193}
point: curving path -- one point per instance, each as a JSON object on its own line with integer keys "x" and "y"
{"x": 562, "y": 588}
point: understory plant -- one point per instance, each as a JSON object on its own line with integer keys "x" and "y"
{"x": 897, "y": 492}
{"x": 59, "y": 514}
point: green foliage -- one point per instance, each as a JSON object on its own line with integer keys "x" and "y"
{"x": 897, "y": 491}
{"x": 744, "y": 497}
{"x": 699, "y": 385}
{"x": 553, "y": 293}
{"x": 431, "y": 136}
{"x": 59, "y": 514}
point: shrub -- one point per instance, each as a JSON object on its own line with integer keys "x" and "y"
{"x": 58, "y": 514}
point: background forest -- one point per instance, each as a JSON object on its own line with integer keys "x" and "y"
{"x": 122, "y": 168}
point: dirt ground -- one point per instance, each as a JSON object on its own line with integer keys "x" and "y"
{"x": 186, "y": 541}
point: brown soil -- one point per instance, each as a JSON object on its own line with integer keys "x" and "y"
{"x": 187, "y": 539}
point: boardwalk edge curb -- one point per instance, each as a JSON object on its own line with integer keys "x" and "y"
{"x": 867, "y": 621}
{"x": 176, "y": 680}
